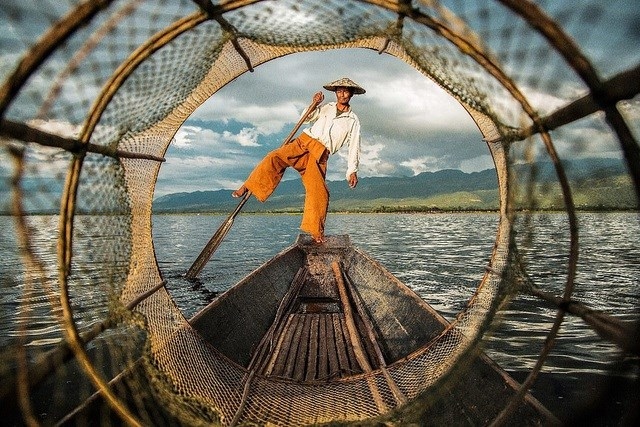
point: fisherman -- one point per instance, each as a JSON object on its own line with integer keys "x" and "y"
{"x": 333, "y": 125}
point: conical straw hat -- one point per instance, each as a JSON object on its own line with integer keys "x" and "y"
{"x": 344, "y": 82}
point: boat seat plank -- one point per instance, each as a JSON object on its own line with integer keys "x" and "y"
{"x": 313, "y": 347}
{"x": 332, "y": 352}
{"x": 300, "y": 363}
{"x": 278, "y": 368}
{"x": 341, "y": 341}
{"x": 316, "y": 343}
{"x": 292, "y": 357}
{"x": 323, "y": 350}
{"x": 312, "y": 354}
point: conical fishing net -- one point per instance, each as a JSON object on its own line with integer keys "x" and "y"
{"x": 92, "y": 96}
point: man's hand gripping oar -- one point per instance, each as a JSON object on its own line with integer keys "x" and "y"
{"x": 224, "y": 228}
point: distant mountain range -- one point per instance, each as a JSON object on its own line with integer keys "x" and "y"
{"x": 596, "y": 184}
{"x": 607, "y": 188}
{"x": 290, "y": 194}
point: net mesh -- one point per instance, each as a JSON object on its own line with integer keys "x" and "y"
{"x": 118, "y": 78}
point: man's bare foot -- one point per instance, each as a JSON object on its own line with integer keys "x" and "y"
{"x": 239, "y": 192}
{"x": 319, "y": 239}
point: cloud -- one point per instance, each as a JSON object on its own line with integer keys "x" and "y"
{"x": 409, "y": 124}
{"x": 196, "y": 139}
{"x": 421, "y": 164}
{"x": 184, "y": 137}
{"x": 404, "y": 117}
{"x": 57, "y": 127}
{"x": 418, "y": 106}
{"x": 266, "y": 117}
{"x": 247, "y": 137}
{"x": 477, "y": 164}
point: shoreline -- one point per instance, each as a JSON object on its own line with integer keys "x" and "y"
{"x": 348, "y": 212}
{"x": 403, "y": 211}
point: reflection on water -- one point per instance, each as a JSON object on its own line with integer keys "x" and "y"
{"x": 30, "y": 297}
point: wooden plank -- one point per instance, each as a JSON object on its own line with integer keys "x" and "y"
{"x": 323, "y": 348}
{"x": 332, "y": 354}
{"x": 300, "y": 361}
{"x": 312, "y": 353}
{"x": 343, "y": 358}
{"x": 354, "y": 367}
{"x": 353, "y": 333}
{"x": 279, "y": 358}
{"x": 350, "y": 326}
{"x": 293, "y": 346}
{"x": 373, "y": 341}
{"x": 262, "y": 354}
{"x": 270, "y": 366}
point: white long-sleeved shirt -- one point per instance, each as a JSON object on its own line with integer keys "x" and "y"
{"x": 334, "y": 132}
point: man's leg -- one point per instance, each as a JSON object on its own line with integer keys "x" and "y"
{"x": 316, "y": 202}
{"x": 266, "y": 176}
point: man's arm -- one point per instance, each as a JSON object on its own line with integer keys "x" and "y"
{"x": 318, "y": 97}
{"x": 353, "y": 180}
{"x": 353, "y": 156}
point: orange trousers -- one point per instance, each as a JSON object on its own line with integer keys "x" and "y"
{"x": 309, "y": 157}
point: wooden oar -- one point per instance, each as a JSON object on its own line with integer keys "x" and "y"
{"x": 224, "y": 228}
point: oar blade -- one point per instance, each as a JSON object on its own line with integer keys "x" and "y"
{"x": 215, "y": 241}
{"x": 209, "y": 250}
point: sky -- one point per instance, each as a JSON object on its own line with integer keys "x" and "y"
{"x": 409, "y": 124}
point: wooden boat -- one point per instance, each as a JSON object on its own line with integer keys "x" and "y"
{"x": 326, "y": 319}
{"x": 320, "y": 334}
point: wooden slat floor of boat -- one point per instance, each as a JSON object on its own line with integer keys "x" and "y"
{"x": 310, "y": 338}
{"x": 314, "y": 347}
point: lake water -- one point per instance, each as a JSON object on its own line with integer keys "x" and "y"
{"x": 440, "y": 256}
